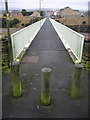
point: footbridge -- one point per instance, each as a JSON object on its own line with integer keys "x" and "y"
{"x": 72, "y": 41}
{"x": 47, "y": 43}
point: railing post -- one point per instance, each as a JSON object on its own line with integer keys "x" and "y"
{"x": 75, "y": 88}
{"x": 16, "y": 81}
{"x": 45, "y": 86}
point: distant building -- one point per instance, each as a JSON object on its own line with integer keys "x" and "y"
{"x": 20, "y": 14}
{"x": 15, "y": 13}
{"x": 68, "y": 12}
{"x": 57, "y": 13}
{"x": 36, "y": 14}
{"x": 49, "y": 13}
{"x": 1, "y": 15}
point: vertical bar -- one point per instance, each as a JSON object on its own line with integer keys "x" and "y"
{"x": 45, "y": 86}
{"x": 75, "y": 88}
{"x": 1, "y": 67}
{"x": 9, "y": 36}
{"x": 40, "y": 12}
{"x": 16, "y": 81}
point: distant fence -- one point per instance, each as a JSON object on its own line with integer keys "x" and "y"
{"x": 73, "y": 41}
{"x": 23, "y": 38}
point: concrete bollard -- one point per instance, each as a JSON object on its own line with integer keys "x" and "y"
{"x": 45, "y": 86}
{"x": 75, "y": 89}
{"x": 16, "y": 81}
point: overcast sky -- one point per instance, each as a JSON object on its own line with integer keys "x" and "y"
{"x": 30, "y": 4}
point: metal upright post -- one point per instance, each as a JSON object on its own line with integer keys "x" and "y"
{"x": 10, "y": 53}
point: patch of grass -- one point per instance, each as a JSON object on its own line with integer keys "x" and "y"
{"x": 86, "y": 62}
{"x": 7, "y": 70}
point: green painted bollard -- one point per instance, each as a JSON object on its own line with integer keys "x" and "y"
{"x": 16, "y": 81}
{"x": 45, "y": 86}
{"x": 75, "y": 88}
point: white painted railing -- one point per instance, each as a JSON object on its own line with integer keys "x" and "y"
{"x": 23, "y": 38}
{"x": 72, "y": 40}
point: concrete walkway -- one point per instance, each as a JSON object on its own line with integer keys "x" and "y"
{"x": 46, "y": 50}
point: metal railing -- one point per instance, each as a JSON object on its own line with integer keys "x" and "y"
{"x": 23, "y": 38}
{"x": 73, "y": 41}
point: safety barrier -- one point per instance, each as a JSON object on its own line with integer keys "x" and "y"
{"x": 73, "y": 41}
{"x": 23, "y": 38}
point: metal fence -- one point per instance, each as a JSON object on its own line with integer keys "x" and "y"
{"x": 23, "y": 38}
{"x": 73, "y": 41}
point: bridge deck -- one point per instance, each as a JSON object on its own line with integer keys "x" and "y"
{"x": 46, "y": 50}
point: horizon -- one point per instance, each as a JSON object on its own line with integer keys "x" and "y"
{"x": 81, "y": 5}
{"x": 33, "y": 9}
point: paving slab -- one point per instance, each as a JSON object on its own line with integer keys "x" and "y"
{"x": 46, "y": 50}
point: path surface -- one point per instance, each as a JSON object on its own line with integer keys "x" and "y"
{"x": 46, "y": 50}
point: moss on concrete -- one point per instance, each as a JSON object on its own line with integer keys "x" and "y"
{"x": 75, "y": 88}
{"x": 74, "y": 92}
{"x": 17, "y": 90}
{"x": 45, "y": 99}
{"x": 16, "y": 81}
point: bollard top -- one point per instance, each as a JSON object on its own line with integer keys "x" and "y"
{"x": 80, "y": 66}
{"x": 46, "y": 70}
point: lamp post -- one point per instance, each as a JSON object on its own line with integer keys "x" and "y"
{"x": 40, "y": 9}
{"x": 8, "y": 32}
{"x": 14, "y": 66}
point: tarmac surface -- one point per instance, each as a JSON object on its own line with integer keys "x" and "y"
{"x": 46, "y": 50}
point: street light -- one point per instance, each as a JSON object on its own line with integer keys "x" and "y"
{"x": 40, "y": 9}
{"x": 8, "y": 32}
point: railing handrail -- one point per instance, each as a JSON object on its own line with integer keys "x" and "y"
{"x": 23, "y": 29}
{"x": 68, "y": 38}
{"x": 22, "y": 39}
{"x": 72, "y": 30}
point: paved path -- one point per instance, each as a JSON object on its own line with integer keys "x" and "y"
{"x": 46, "y": 50}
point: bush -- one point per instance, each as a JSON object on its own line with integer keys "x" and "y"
{"x": 58, "y": 21}
{"x": 30, "y": 22}
{"x": 11, "y": 22}
{"x": 14, "y": 22}
{"x": 30, "y": 13}
{"x": 25, "y": 13}
{"x": 35, "y": 20}
{"x": 3, "y": 21}
{"x": 84, "y": 22}
{"x": 23, "y": 24}
{"x": 27, "y": 24}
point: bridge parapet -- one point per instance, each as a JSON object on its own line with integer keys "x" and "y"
{"x": 73, "y": 41}
{"x": 23, "y": 38}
